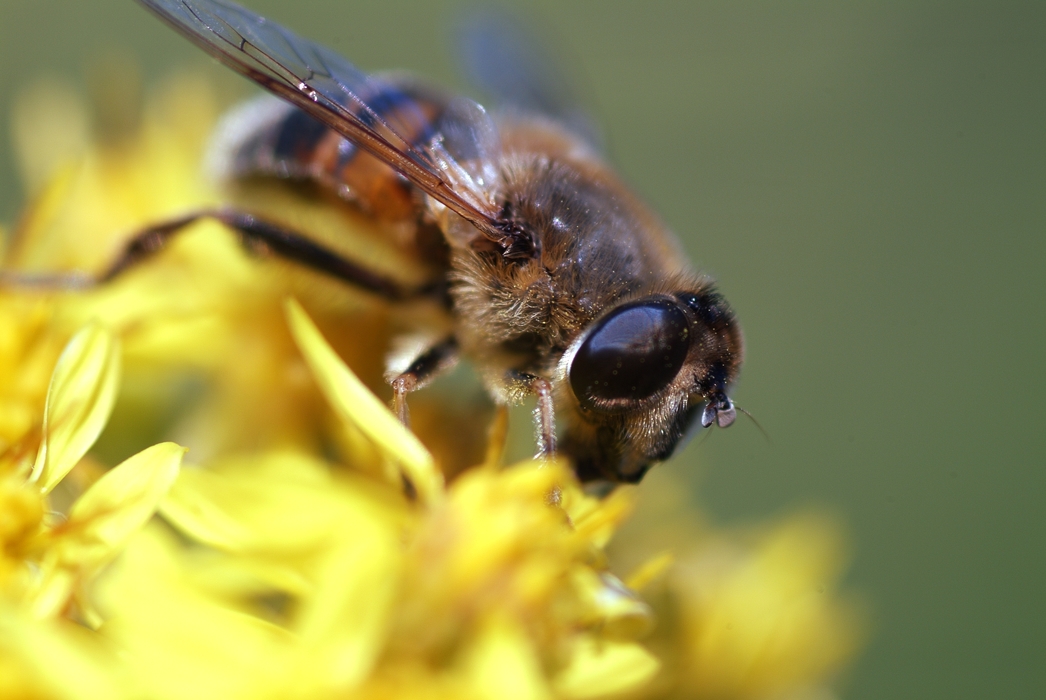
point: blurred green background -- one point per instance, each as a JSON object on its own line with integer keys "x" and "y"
{"x": 868, "y": 183}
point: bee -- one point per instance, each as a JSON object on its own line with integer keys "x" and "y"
{"x": 557, "y": 281}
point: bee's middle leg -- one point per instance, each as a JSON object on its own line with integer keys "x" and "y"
{"x": 431, "y": 363}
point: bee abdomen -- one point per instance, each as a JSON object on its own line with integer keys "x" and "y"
{"x": 268, "y": 137}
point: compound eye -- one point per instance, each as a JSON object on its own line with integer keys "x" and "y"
{"x": 632, "y": 353}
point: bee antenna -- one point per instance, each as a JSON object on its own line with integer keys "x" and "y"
{"x": 766, "y": 435}
{"x": 707, "y": 432}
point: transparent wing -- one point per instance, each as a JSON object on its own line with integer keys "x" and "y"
{"x": 510, "y": 63}
{"x": 332, "y": 90}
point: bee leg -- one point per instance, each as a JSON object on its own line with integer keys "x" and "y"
{"x": 431, "y": 363}
{"x": 254, "y": 233}
{"x": 544, "y": 420}
{"x": 258, "y": 233}
{"x": 544, "y": 412}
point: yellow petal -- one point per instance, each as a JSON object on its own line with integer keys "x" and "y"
{"x": 356, "y": 404}
{"x": 236, "y": 508}
{"x": 650, "y": 570}
{"x": 598, "y": 519}
{"x": 195, "y": 505}
{"x": 103, "y": 520}
{"x": 618, "y": 611}
{"x": 345, "y": 621}
{"x": 79, "y": 401}
{"x": 124, "y": 498}
{"x": 178, "y": 642}
{"x": 503, "y": 664}
{"x": 602, "y": 668}
{"x": 53, "y": 660}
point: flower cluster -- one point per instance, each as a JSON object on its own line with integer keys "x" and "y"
{"x": 309, "y": 545}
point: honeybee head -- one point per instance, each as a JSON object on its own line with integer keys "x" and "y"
{"x": 643, "y": 374}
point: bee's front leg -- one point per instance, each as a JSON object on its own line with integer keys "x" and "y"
{"x": 431, "y": 363}
{"x": 544, "y": 419}
{"x": 544, "y": 411}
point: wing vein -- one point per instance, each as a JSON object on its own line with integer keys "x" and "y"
{"x": 330, "y": 89}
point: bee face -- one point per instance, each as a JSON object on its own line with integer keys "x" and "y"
{"x": 643, "y": 375}
{"x": 558, "y": 281}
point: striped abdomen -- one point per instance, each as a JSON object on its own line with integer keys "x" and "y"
{"x": 270, "y": 137}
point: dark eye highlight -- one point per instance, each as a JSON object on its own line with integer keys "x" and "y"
{"x": 632, "y": 353}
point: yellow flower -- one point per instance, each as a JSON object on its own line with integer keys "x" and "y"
{"x": 454, "y": 594}
{"x": 314, "y": 547}
{"x": 759, "y": 620}
{"x": 49, "y": 561}
{"x": 750, "y": 612}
